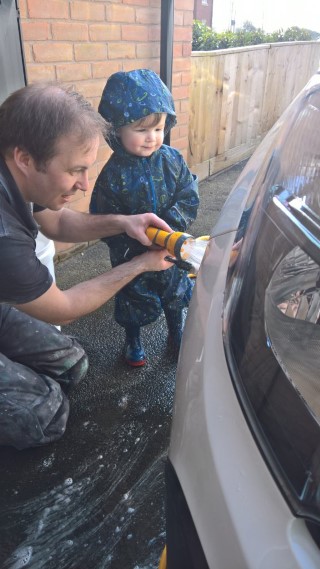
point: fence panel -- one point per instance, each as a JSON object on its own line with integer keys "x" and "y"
{"x": 238, "y": 94}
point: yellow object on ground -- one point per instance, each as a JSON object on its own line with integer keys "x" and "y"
{"x": 163, "y": 559}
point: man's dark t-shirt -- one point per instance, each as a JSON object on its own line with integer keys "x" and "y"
{"x": 23, "y": 278}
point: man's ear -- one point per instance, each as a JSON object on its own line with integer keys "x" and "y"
{"x": 23, "y": 160}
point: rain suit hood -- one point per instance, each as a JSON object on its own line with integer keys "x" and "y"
{"x": 130, "y": 96}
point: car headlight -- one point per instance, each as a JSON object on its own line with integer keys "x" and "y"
{"x": 272, "y": 307}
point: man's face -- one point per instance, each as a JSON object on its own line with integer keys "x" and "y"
{"x": 143, "y": 139}
{"x": 63, "y": 175}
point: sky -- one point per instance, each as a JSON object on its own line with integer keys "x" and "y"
{"x": 270, "y": 15}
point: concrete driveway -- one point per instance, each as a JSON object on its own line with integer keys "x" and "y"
{"x": 95, "y": 499}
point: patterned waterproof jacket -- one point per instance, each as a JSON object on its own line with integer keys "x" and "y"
{"x": 161, "y": 183}
{"x": 128, "y": 184}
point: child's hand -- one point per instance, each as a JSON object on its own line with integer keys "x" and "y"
{"x": 153, "y": 261}
{"x": 135, "y": 226}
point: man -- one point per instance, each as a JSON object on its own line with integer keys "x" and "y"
{"x": 49, "y": 137}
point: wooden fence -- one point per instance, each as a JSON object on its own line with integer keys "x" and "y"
{"x": 238, "y": 94}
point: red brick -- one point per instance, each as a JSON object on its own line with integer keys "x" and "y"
{"x": 104, "y": 69}
{"x": 121, "y": 50}
{"x": 178, "y": 18}
{"x": 70, "y": 31}
{"x": 137, "y": 2}
{"x": 41, "y": 73}
{"x": 180, "y": 92}
{"x": 184, "y": 153}
{"x": 176, "y": 79}
{"x": 188, "y": 18}
{"x": 184, "y": 5}
{"x": 134, "y": 33}
{"x": 48, "y": 9}
{"x": 73, "y": 71}
{"x": 183, "y": 34}
{"x": 120, "y": 13}
{"x": 35, "y": 30}
{"x": 179, "y": 143}
{"x": 28, "y": 55}
{"x": 177, "y": 50}
{"x": 181, "y": 64}
{"x": 186, "y": 78}
{"x": 147, "y": 16}
{"x": 90, "y": 51}
{"x": 154, "y": 33}
{"x": 50, "y": 51}
{"x": 92, "y": 88}
{"x": 182, "y": 118}
{"x": 95, "y": 102}
{"x": 186, "y": 50}
{"x": 183, "y": 131}
{"x": 153, "y": 64}
{"x": 155, "y": 3}
{"x": 87, "y": 11}
{"x": 184, "y": 106}
{"x": 146, "y": 50}
{"x": 177, "y": 106}
{"x": 104, "y": 32}
{"x": 23, "y": 8}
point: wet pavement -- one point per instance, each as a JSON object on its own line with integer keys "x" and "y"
{"x": 95, "y": 499}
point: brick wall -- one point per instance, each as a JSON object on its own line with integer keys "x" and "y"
{"x": 83, "y": 42}
{"x": 203, "y": 11}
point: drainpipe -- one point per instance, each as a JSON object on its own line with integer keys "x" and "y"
{"x": 166, "y": 47}
{"x": 21, "y": 43}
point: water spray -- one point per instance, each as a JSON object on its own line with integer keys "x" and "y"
{"x": 187, "y": 252}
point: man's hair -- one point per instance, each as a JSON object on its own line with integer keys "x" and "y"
{"x": 35, "y": 117}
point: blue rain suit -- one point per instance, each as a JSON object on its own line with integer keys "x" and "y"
{"x": 129, "y": 184}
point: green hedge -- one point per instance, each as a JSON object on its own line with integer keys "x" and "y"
{"x": 205, "y": 39}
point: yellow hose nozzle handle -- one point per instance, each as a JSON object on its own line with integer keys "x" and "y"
{"x": 203, "y": 238}
{"x": 170, "y": 241}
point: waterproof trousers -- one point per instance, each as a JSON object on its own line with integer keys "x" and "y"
{"x": 38, "y": 367}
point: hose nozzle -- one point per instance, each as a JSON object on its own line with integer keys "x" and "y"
{"x": 188, "y": 250}
{"x": 173, "y": 242}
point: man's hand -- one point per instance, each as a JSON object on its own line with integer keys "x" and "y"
{"x": 135, "y": 226}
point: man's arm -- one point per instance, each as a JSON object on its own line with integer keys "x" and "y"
{"x": 74, "y": 227}
{"x": 61, "y": 307}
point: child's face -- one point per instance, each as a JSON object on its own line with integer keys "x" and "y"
{"x": 142, "y": 139}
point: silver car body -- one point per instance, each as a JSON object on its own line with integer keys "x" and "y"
{"x": 239, "y": 509}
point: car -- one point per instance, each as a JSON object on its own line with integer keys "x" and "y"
{"x": 243, "y": 468}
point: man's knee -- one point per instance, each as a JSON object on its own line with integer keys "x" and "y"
{"x": 70, "y": 378}
{"x": 24, "y": 430}
{"x": 33, "y": 408}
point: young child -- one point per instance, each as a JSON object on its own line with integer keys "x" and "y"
{"x": 144, "y": 175}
